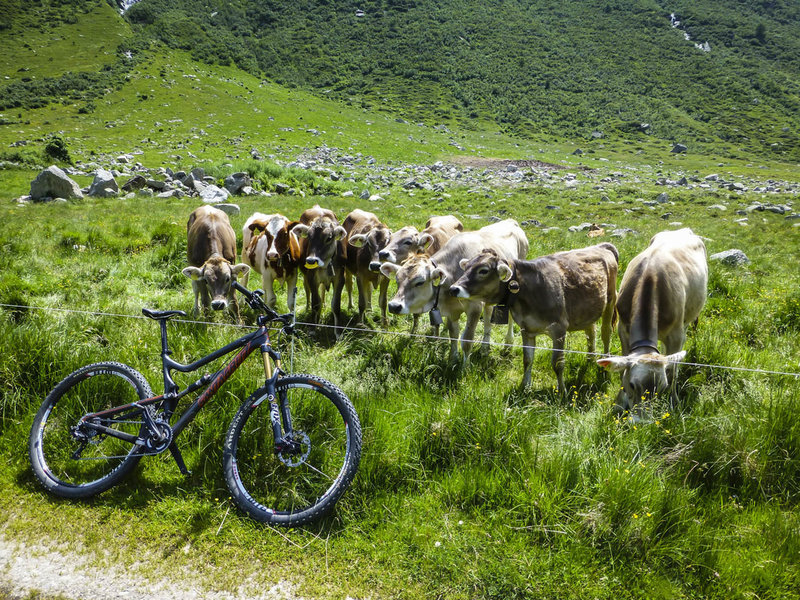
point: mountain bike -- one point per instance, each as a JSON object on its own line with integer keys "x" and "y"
{"x": 290, "y": 452}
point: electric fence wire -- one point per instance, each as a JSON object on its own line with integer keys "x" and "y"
{"x": 420, "y": 336}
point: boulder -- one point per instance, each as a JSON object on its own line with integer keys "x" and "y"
{"x": 662, "y": 198}
{"x": 104, "y": 185}
{"x": 135, "y": 183}
{"x": 732, "y": 258}
{"x": 281, "y": 188}
{"x": 54, "y": 183}
{"x": 214, "y": 195}
{"x": 364, "y": 195}
{"x": 236, "y": 181}
{"x": 230, "y": 209}
{"x": 678, "y": 149}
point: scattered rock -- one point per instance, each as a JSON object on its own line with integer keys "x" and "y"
{"x": 213, "y": 195}
{"x": 104, "y": 185}
{"x": 732, "y": 258}
{"x": 662, "y": 198}
{"x": 54, "y": 183}
{"x": 137, "y": 182}
{"x": 678, "y": 149}
{"x": 230, "y": 209}
{"x": 719, "y": 207}
{"x": 281, "y": 188}
{"x": 364, "y": 195}
{"x": 236, "y": 181}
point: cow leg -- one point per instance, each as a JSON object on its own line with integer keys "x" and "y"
{"x": 291, "y": 290}
{"x": 364, "y": 292}
{"x": 510, "y": 332}
{"x": 336, "y": 301}
{"x": 590, "y": 338}
{"x": 196, "y": 291}
{"x": 314, "y": 300}
{"x": 606, "y": 326}
{"x": 205, "y": 297}
{"x": 307, "y": 290}
{"x": 414, "y": 323}
{"x": 383, "y": 288}
{"x": 348, "y": 282}
{"x": 528, "y": 344}
{"x": 233, "y": 305}
{"x": 673, "y": 342}
{"x": 452, "y": 330}
{"x": 557, "y": 360}
{"x": 487, "y": 328}
{"x": 268, "y": 283}
{"x": 468, "y": 336}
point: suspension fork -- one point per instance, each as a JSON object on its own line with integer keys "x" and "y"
{"x": 279, "y": 414}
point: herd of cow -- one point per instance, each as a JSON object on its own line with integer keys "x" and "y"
{"x": 447, "y": 272}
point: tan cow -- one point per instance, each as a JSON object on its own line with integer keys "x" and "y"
{"x": 366, "y": 236}
{"x": 321, "y": 257}
{"x": 663, "y": 290}
{"x": 272, "y": 249}
{"x": 554, "y": 294}
{"x": 407, "y": 241}
{"x": 211, "y": 251}
{"x": 423, "y": 281}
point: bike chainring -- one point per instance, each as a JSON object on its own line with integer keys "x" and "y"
{"x": 159, "y": 440}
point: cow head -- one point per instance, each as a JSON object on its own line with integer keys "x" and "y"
{"x": 275, "y": 231}
{"x": 371, "y": 244}
{"x": 403, "y": 243}
{"x": 217, "y": 274}
{"x": 417, "y": 280}
{"x": 643, "y": 375}
{"x": 322, "y": 236}
{"x": 482, "y": 278}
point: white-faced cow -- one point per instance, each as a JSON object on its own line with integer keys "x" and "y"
{"x": 321, "y": 257}
{"x": 663, "y": 290}
{"x": 423, "y": 281}
{"x": 211, "y": 251}
{"x": 366, "y": 236}
{"x": 554, "y": 294}
{"x": 272, "y": 249}
{"x": 407, "y": 241}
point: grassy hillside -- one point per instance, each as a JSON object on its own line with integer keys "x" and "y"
{"x": 562, "y": 68}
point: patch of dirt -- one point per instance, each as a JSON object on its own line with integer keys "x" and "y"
{"x": 47, "y": 573}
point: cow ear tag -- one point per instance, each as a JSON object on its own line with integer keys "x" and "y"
{"x": 500, "y": 314}
{"x": 436, "y": 317}
{"x": 513, "y": 286}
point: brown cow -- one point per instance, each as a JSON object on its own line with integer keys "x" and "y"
{"x": 272, "y": 249}
{"x": 663, "y": 290}
{"x": 321, "y": 257}
{"x": 211, "y": 251}
{"x": 554, "y": 294}
{"x": 366, "y": 236}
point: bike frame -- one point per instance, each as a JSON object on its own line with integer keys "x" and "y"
{"x": 172, "y": 392}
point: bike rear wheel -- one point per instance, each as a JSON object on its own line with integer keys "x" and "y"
{"x": 75, "y": 461}
{"x": 293, "y": 488}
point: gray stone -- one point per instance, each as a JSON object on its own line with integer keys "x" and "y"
{"x": 623, "y": 232}
{"x": 581, "y": 227}
{"x": 732, "y": 258}
{"x": 230, "y": 209}
{"x": 247, "y": 191}
{"x": 662, "y": 198}
{"x": 136, "y": 183}
{"x": 54, "y": 183}
{"x": 712, "y": 177}
{"x": 578, "y": 152}
{"x": 281, "y": 188}
{"x": 236, "y": 181}
{"x": 678, "y": 149}
{"x": 156, "y": 184}
{"x": 104, "y": 185}
{"x": 347, "y": 194}
{"x": 146, "y": 192}
{"x": 214, "y": 195}
{"x": 719, "y": 207}
{"x": 364, "y": 195}
{"x": 375, "y": 198}
{"x": 598, "y": 135}
{"x": 494, "y": 219}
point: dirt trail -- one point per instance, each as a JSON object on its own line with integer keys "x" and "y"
{"x": 28, "y": 570}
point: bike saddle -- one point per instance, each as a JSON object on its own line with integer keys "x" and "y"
{"x": 162, "y": 314}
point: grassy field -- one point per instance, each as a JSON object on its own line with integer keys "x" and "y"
{"x": 469, "y": 487}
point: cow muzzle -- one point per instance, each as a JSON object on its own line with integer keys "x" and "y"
{"x": 375, "y": 266}
{"x": 457, "y": 291}
{"x": 386, "y": 256}
{"x": 396, "y": 308}
{"x": 218, "y": 304}
{"x": 312, "y": 262}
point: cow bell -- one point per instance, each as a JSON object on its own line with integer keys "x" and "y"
{"x": 500, "y": 314}
{"x": 436, "y": 317}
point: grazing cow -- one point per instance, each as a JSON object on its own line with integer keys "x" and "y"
{"x": 662, "y": 292}
{"x": 321, "y": 257}
{"x": 408, "y": 241}
{"x": 211, "y": 250}
{"x": 271, "y": 248}
{"x": 366, "y": 236}
{"x": 554, "y": 294}
{"x": 423, "y": 281}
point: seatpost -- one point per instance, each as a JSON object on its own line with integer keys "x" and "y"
{"x": 164, "y": 349}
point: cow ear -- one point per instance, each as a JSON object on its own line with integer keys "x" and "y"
{"x": 677, "y": 357}
{"x": 425, "y": 240}
{"x": 261, "y": 226}
{"x": 614, "y": 363}
{"x": 339, "y": 232}
{"x": 301, "y": 230}
{"x": 463, "y": 264}
{"x": 193, "y": 273}
{"x": 357, "y": 240}
{"x": 240, "y": 269}
{"x": 438, "y": 277}
{"x": 389, "y": 269}
{"x": 504, "y": 271}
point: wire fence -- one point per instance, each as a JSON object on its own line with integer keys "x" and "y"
{"x": 407, "y": 334}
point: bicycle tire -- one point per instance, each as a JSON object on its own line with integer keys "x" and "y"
{"x": 262, "y": 484}
{"x": 104, "y": 460}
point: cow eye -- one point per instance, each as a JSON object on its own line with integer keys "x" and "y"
{"x": 483, "y": 272}
{"x": 419, "y": 283}
{"x": 407, "y": 242}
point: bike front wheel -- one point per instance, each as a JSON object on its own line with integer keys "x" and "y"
{"x": 76, "y": 460}
{"x": 293, "y": 487}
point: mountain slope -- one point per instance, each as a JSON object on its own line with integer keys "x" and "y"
{"x": 533, "y": 66}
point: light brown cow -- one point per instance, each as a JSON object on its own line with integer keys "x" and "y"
{"x": 366, "y": 236}
{"x": 554, "y": 294}
{"x": 663, "y": 290}
{"x": 211, "y": 251}
{"x": 321, "y": 257}
{"x": 272, "y": 249}
{"x": 423, "y": 281}
{"x": 407, "y": 241}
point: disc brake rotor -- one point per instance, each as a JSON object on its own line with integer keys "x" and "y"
{"x": 295, "y": 459}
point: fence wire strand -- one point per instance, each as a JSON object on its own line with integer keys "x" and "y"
{"x": 407, "y": 334}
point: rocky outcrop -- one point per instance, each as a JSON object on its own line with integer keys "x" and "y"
{"x": 54, "y": 183}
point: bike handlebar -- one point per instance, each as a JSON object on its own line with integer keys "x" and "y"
{"x": 255, "y": 302}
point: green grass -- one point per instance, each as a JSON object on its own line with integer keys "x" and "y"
{"x": 468, "y": 487}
